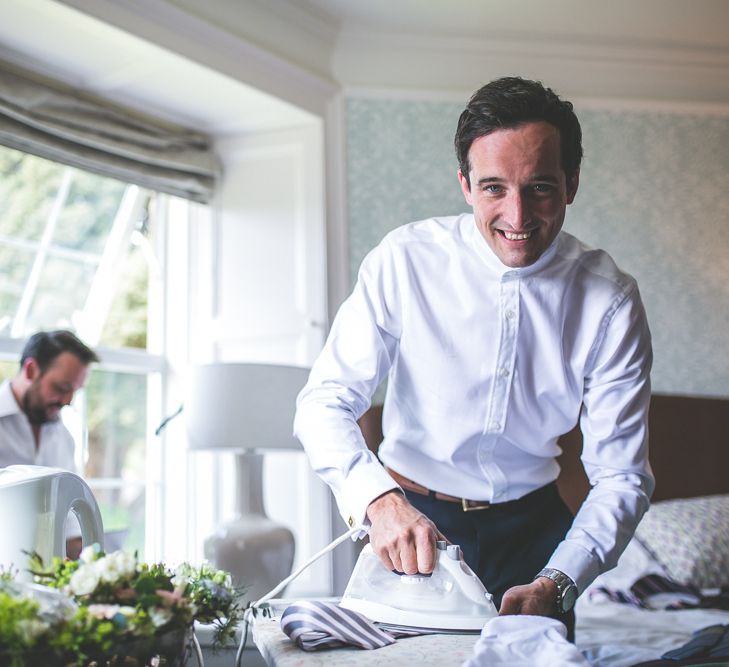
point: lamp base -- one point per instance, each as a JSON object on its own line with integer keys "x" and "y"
{"x": 257, "y": 551}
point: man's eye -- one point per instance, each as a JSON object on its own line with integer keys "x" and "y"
{"x": 542, "y": 188}
{"x": 492, "y": 189}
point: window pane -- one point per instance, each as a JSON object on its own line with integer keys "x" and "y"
{"x": 115, "y": 469}
{"x": 16, "y": 264}
{"x": 62, "y": 290}
{"x": 61, "y": 222}
{"x": 89, "y": 211}
{"x": 28, "y": 187}
{"x": 126, "y": 324}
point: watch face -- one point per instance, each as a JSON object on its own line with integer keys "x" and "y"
{"x": 568, "y": 598}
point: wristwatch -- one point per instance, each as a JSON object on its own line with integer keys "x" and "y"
{"x": 566, "y": 588}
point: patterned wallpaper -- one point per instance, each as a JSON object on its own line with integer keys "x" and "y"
{"x": 654, "y": 193}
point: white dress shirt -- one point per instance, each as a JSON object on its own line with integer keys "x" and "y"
{"x": 17, "y": 444}
{"x": 488, "y": 366}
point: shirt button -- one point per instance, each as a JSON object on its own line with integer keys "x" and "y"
{"x": 350, "y": 521}
{"x": 503, "y": 372}
{"x": 510, "y": 314}
{"x": 495, "y": 426}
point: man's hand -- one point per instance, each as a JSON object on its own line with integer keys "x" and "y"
{"x": 401, "y": 536}
{"x": 536, "y": 599}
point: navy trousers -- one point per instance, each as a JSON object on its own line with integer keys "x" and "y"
{"x": 507, "y": 543}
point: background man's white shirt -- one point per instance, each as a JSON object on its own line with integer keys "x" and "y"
{"x": 17, "y": 445}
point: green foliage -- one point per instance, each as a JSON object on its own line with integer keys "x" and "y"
{"x": 18, "y": 627}
{"x": 214, "y": 598}
{"x": 126, "y": 608}
{"x": 28, "y": 187}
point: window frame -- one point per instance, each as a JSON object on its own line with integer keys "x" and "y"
{"x": 163, "y": 362}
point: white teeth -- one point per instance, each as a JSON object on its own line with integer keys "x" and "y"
{"x": 517, "y": 237}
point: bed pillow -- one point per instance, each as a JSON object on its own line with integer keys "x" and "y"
{"x": 689, "y": 537}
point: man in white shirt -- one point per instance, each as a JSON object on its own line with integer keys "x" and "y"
{"x": 53, "y": 366}
{"x": 497, "y": 331}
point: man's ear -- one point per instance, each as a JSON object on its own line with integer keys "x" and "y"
{"x": 465, "y": 188}
{"x": 31, "y": 370}
{"x": 572, "y": 184}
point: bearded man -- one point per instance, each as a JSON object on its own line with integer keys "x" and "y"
{"x": 53, "y": 367}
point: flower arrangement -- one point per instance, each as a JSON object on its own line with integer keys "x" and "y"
{"x": 107, "y": 610}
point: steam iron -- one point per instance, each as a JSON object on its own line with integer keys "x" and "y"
{"x": 450, "y": 599}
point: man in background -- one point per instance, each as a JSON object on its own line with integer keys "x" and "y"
{"x": 53, "y": 367}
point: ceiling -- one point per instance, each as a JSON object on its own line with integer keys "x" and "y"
{"x": 159, "y": 54}
{"x": 678, "y": 22}
{"x": 667, "y": 51}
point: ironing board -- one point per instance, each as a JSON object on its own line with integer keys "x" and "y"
{"x": 279, "y": 651}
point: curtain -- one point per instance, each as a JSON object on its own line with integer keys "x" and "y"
{"x": 61, "y": 124}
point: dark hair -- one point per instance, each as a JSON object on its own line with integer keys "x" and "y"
{"x": 45, "y": 346}
{"x": 510, "y": 102}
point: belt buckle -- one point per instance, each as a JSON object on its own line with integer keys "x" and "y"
{"x": 469, "y": 508}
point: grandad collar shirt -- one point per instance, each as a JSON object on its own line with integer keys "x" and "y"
{"x": 17, "y": 445}
{"x": 488, "y": 365}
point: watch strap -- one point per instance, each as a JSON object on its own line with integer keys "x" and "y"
{"x": 566, "y": 588}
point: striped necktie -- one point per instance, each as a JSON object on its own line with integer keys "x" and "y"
{"x": 315, "y": 625}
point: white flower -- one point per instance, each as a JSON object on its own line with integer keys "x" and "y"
{"x": 182, "y": 576}
{"x": 159, "y": 616}
{"x": 116, "y": 566}
{"x": 30, "y": 629}
{"x": 89, "y": 554}
{"x": 84, "y": 580}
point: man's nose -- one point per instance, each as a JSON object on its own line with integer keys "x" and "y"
{"x": 66, "y": 398}
{"x": 516, "y": 211}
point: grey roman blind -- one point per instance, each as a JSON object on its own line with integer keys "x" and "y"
{"x": 60, "y": 124}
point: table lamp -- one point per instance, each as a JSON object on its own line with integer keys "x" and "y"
{"x": 247, "y": 409}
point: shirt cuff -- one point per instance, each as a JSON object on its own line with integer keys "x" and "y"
{"x": 363, "y": 484}
{"x": 576, "y": 562}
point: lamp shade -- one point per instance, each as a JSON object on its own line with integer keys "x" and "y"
{"x": 243, "y": 406}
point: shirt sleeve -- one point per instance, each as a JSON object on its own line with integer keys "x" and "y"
{"x": 615, "y": 449}
{"x": 356, "y": 357}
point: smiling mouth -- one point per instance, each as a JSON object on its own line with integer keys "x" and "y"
{"x": 513, "y": 236}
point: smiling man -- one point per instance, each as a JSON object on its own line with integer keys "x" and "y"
{"x": 497, "y": 332}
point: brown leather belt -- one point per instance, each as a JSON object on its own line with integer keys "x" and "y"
{"x": 467, "y": 505}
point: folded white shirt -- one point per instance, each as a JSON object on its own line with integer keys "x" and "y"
{"x": 525, "y": 641}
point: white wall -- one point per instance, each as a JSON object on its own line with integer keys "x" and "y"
{"x": 270, "y": 306}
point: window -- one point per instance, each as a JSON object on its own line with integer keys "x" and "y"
{"x": 80, "y": 251}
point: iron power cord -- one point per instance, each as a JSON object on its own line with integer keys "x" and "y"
{"x": 254, "y": 606}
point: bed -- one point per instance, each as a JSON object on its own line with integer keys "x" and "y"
{"x": 685, "y": 536}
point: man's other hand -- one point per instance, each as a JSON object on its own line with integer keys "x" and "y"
{"x": 536, "y": 599}
{"x": 401, "y": 536}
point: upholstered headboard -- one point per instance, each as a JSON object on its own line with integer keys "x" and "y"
{"x": 689, "y": 448}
